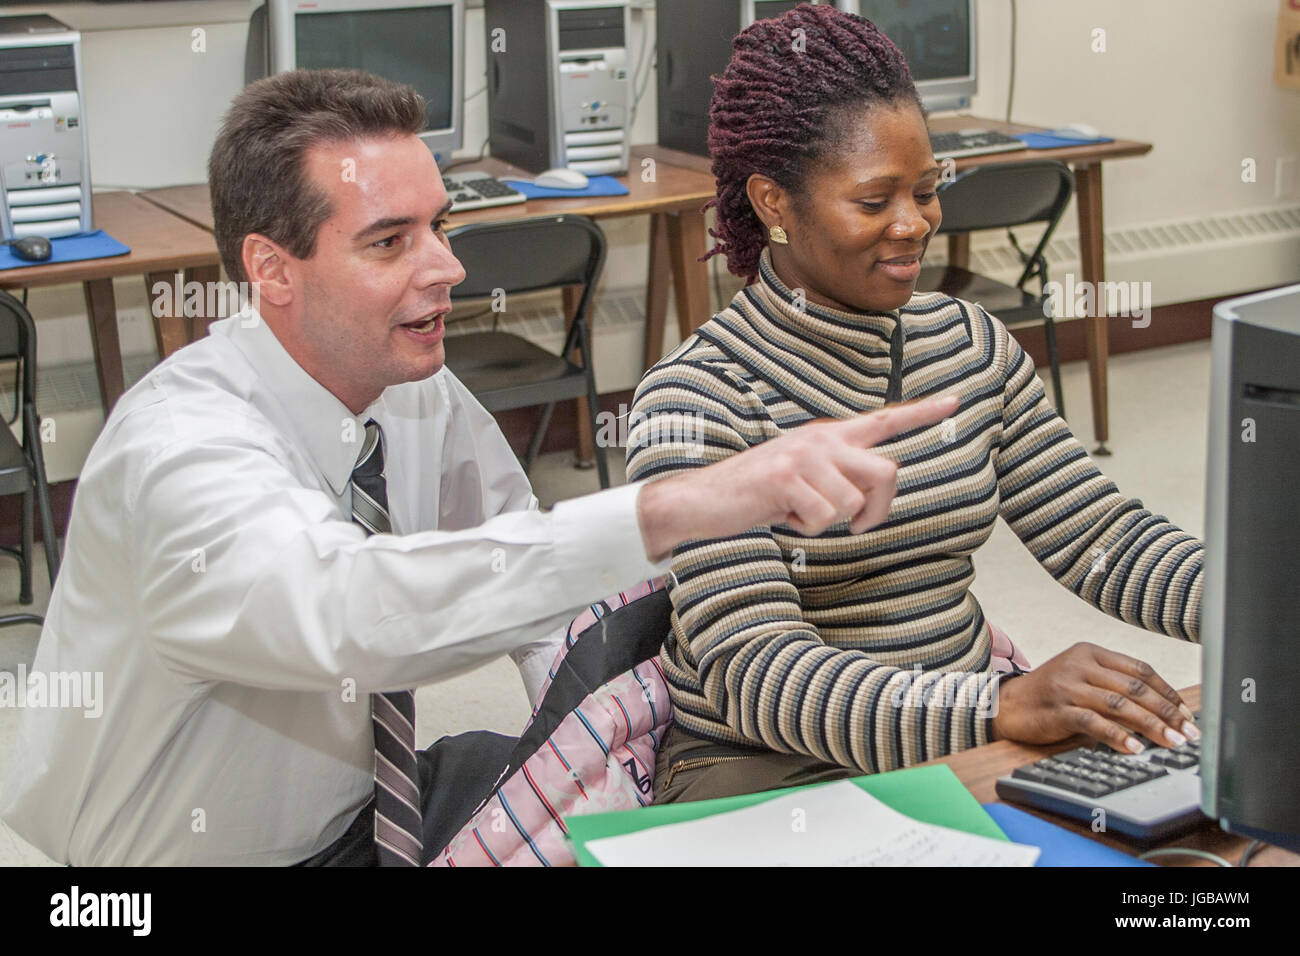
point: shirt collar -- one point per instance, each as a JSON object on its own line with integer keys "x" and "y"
{"x": 844, "y": 332}
{"x": 323, "y": 425}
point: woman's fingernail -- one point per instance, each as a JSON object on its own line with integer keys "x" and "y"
{"x": 1174, "y": 737}
{"x": 1191, "y": 730}
{"x": 1187, "y": 712}
{"x": 1134, "y": 745}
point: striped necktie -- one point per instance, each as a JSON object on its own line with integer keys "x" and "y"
{"x": 399, "y": 824}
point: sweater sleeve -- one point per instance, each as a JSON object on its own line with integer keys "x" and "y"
{"x": 1106, "y": 548}
{"x": 740, "y": 650}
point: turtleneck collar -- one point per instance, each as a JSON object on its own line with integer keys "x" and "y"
{"x": 844, "y": 332}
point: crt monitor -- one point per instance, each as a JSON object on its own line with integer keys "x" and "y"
{"x": 417, "y": 42}
{"x": 938, "y": 39}
{"x": 1250, "y": 611}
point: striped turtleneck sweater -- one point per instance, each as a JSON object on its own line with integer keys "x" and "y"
{"x": 869, "y": 650}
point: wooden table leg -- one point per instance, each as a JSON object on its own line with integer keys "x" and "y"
{"x": 1092, "y": 243}
{"x": 206, "y": 277}
{"x": 686, "y": 244}
{"x": 959, "y": 250}
{"x": 101, "y": 310}
{"x": 170, "y": 330}
{"x": 656, "y": 289}
{"x": 586, "y": 456}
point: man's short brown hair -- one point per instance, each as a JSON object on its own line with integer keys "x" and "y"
{"x": 256, "y": 171}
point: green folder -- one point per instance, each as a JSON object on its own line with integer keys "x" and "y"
{"x": 929, "y": 794}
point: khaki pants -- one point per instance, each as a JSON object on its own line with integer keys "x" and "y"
{"x": 687, "y": 768}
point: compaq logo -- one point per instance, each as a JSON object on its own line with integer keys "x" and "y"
{"x": 18, "y": 125}
{"x": 102, "y": 909}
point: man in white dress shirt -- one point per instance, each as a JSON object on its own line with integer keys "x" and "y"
{"x": 213, "y": 574}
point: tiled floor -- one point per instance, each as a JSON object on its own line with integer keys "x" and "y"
{"x": 1158, "y": 401}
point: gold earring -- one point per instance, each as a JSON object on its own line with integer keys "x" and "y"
{"x": 777, "y": 235}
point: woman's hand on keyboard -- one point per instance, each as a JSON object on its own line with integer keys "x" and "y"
{"x": 1094, "y": 691}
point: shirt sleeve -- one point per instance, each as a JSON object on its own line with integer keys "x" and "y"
{"x": 482, "y": 478}
{"x": 739, "y": 635}
{"x": 1105, "y": 547}
{"x": 244, "y": 575}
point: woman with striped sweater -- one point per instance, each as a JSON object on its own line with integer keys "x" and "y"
{"x": 795, "y": 659}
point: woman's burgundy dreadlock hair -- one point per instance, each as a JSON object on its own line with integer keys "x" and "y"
{"x": 775, "y": 105}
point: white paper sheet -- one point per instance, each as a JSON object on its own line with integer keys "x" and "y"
{"x": 838, "y": 824}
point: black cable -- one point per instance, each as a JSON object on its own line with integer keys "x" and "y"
{"x": 638, "y": 94}
{"x": 1251, "y": 849}
{"x": 717, "y": 285}
{"x": 482, "y": 151}
{"x": 1011, "y": 83}
{"x": 641, "y": 61}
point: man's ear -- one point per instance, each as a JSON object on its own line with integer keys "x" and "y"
{"x": 768, "y": 199}
{"x": 269, "y": 268}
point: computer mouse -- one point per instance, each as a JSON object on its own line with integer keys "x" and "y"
{"x": 1080, "y": 130}
{"x": 561, "y": 179}
{"x": 31, "y": 248}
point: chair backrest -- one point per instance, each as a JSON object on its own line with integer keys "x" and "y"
{"x": 1005, "y": 194}
{"x": 529, "y": 255}
{"x": 1009, "y": 194}
{"x": 18, "y": 343}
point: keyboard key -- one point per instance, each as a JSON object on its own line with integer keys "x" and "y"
{"x": 1064, "y": 781}
{"x": 1092, "y": 788}
{"x": 1030, "y": 772}
{"x": 1116, "y": 782}
{"x": 1170, "y": 758}
{"x": 1078, "y": 756}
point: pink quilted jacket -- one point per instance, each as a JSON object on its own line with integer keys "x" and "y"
{"x": 600, "y": 758}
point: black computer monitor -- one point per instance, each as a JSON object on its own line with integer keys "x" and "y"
{"x": 938, "y": 39}
{"x": 416, "y": 42}
{"x": 1250, "y": 612}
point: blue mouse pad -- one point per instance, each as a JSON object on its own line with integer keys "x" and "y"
{"x": 83, "y": 245}
{"x": 1049, "y": 141}
{"x": 1060, "y": 847}
{"x": 596, "y": 186}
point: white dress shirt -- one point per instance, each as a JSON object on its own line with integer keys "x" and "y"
{"x": 240, "y": 619}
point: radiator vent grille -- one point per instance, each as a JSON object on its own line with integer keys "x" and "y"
{"x": 1167, "y": 238}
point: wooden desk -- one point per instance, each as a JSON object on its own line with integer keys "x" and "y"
{"x": 980, "y": 768}
{"x": 161, "y": 245}
{"x": 1086, "y": 160}
{"x": 673, "y": 197}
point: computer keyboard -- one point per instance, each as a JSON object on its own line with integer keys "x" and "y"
{"x": 1146, "y": 797}
{"x": 476, "y": 191}
{"x": 972, "y": 142}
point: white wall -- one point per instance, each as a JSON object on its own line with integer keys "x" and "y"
{"x": 1194, "y": 77}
